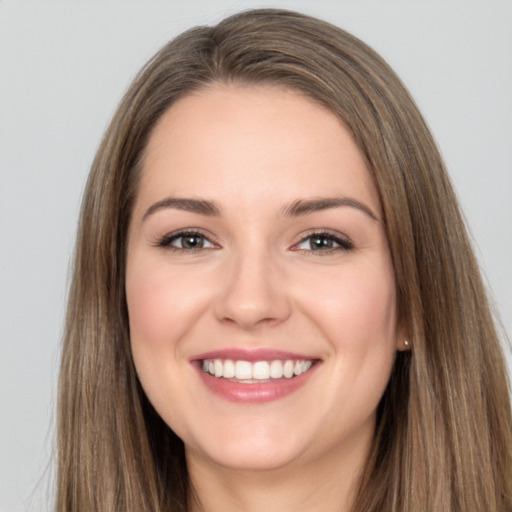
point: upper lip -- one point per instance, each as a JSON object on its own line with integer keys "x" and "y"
{"x": 251, "y": 355}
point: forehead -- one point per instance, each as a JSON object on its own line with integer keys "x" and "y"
{"x": 251, "y": 141}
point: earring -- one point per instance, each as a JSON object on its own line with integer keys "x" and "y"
{"x": 406, "y": 343}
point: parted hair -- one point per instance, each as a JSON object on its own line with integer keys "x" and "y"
{"x": 443, "y": 440}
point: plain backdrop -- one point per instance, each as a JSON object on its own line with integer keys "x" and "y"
{"x": 63, "y": 68}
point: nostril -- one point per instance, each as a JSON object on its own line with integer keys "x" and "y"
{"x": 252, "y": 294}
{"x": 248, "y": 320}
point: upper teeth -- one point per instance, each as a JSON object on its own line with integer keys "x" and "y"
{"x": 259, "y": 370}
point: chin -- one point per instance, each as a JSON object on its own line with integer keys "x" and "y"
{"x": 251, "y": 451}
{"x": 240, "y": 458}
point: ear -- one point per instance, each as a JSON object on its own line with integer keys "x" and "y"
{"x": 403, "y": 342}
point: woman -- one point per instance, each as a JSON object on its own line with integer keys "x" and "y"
{"x": 275, "y": 303}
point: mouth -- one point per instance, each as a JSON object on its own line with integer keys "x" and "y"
{"x": 255, "y": 371}
{"x": 254, "y": 376}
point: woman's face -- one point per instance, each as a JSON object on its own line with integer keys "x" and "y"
{"x": 256, "y": 252}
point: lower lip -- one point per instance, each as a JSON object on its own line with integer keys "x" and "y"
{"x": 265, "y": 391}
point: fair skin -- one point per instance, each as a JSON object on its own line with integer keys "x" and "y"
{"x": 257, "y": 236}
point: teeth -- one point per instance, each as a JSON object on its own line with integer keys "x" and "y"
{"x": 259, "y": 370}
{"x": 288, "y": 369}
{"x": 217, "y": 367}
{"x": 229, "y": 369}
{"x": 301, "y": 367}
{"x": 276, "y": 369}
{"x": 243, "y": 370}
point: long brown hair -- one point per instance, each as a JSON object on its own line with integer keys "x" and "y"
{"x": 443, "y": 439}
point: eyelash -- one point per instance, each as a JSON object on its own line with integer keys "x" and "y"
{"x": 344, "y": 243}
{"x": 166, "y": 241}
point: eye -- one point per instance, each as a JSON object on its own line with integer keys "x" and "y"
{"x": 186, "y": 241}
{"x": 324, "y": 242}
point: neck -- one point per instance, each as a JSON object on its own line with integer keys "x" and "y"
{"x": 328, "y": 485}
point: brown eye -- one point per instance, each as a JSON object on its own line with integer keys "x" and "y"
{"x": 186, "y": 241}
{"x": 324, "y": 242}
{"x": 191, "y": 241}
{"x": 320, "y": 242}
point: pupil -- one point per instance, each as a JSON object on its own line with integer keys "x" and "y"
{"x": 192, "y": 242}
{"x": 320, "y": 242}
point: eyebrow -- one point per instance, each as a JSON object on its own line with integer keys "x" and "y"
{"x": 200, "y": 206}
{"x": 294, "y": 209}
{"x": 305, "y": 206}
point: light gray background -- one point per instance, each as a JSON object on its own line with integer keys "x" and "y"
{"x": 63, "y": 68}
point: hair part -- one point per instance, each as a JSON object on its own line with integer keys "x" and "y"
{"x": 443, "y": 439}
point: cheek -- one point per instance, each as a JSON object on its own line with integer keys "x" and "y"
{"x": 163, "y": 306}
{"x": 357, "y": 307}
{"x": 368, "y": 332}
{"x": 360, "y": 321}
{"x": 371, "y": 304}
{"x": 148, "y": 305}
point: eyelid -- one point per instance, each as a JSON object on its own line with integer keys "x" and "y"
{"x": 166, "y": 240}
{"x": 343, "y": 241}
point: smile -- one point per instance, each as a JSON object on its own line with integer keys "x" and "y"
{"x": 256, "y": 371}
{"x": 254, "y": 376}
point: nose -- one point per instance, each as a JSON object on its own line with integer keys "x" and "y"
{"x": 253, "y": 292}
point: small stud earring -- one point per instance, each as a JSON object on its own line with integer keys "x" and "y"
{"x": 406, "y": 343}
